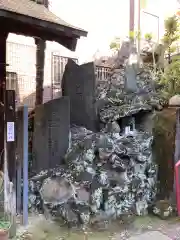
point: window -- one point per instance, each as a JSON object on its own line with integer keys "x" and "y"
{"x": 58, "y": 67}
{"x": 11, "y": 81}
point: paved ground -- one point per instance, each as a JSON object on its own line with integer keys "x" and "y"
{"x": 143, "y": 228}
{"x": 150, "y": 236}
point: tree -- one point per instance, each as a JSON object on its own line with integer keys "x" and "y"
{"x": 134, "y": 35}
{"x": 170, "y": 79}
{"x": 148, "y": 37}
{"x": 115, "y": 44}
{"x": 171, "y": 35}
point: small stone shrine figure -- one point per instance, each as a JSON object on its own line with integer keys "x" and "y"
{"x": 114, "y": 129}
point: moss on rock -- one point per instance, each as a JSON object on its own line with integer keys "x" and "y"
{"x": 164, "y": 148}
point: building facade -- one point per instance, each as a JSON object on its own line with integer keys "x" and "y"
{"x": 21, "y": 69}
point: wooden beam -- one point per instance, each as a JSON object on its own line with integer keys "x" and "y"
{"x": 42, "y": 33}
{"x": 48, "y": 26}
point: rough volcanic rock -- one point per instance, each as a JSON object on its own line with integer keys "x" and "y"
{"x": 110, "y": 173}
{"x": 115, "y": 101}
{"x": 174, "y": 101}
{"x": 105, "y": 173}
{"x": 163, "y": 209}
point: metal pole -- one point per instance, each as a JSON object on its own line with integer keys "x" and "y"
{"x": 156, "y": 16}
{"x": 18, "y": 193}
{"x": 25, "y": 165}
{"x": 19, "y": 160}
{"x": 158, "y": 29}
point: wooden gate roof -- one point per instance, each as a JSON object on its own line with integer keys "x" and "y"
{"x": 29, "y": 18}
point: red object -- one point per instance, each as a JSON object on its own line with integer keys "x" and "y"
{"x": 4, "y": 234}
{"x": 177, "y": 178}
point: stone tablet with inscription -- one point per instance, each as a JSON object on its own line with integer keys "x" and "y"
{"x": 51, "y": 133}
{"x": 78, "y": 84}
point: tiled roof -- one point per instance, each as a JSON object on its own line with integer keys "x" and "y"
{"x": 34, "y": 10}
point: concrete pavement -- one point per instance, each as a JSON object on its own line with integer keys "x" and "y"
{"x": 154, "y": 235}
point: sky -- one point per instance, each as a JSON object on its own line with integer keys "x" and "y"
{"x": 104, "y": 20}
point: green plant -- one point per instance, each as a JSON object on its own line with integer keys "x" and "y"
{"x": 134, "y": 35}
{"x": 171, "y": 35}
{"x": 170, "y": 79}
{"x": 115, "y": 44}
{"x": 131, "y": 35}
{"x": 4, "y": 224}
{"x": 148, "y": 36}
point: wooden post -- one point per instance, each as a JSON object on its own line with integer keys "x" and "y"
{"x": 10, "y": 156}
{"x": 10, "y": 119}
{"x": 40, "y": 59}
{"x": 40, "y": 62}
{"x": 131, "y": 16}
{"x": 3, "y": 37}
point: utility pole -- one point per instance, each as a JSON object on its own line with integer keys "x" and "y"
{"x": 139, "y": 30}
{"x": 131, "y": 16}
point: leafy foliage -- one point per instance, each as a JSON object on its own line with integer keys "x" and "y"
{"x": 170, "y": 79}
{"x": 134, "y": 35}
{"x": 4, "y": 224}
{"x": 167, "y": 76}
{"x": 172, "y": 48}
{"x": 115, "y": 44}
{"x": 172, "y": 34}
{"x": 171, "y": 30}
{"x": 148, "y": 36}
